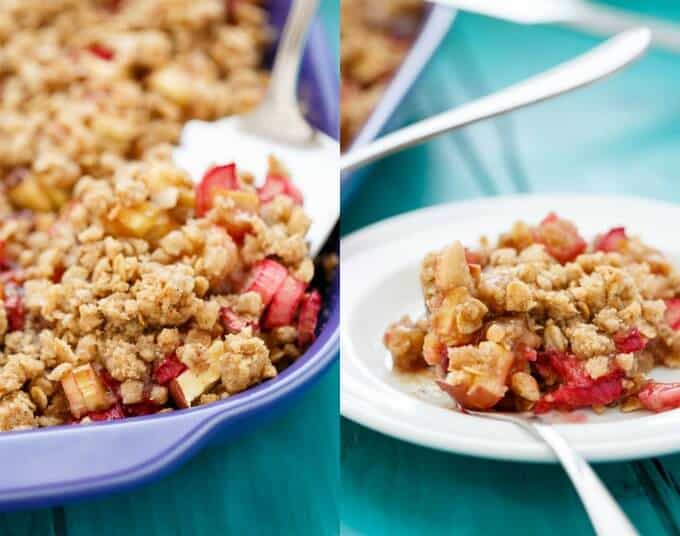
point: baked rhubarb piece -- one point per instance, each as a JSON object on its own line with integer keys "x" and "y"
{"x": 545, "y": 321}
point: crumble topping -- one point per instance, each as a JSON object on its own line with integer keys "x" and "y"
{"x": 546, "y": 321}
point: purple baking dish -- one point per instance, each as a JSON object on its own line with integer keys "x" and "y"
{"x": 437, "y": 23}
{"x": 55, "y": 465}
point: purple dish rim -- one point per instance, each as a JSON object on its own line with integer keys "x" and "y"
{"x": 180, "y": 433}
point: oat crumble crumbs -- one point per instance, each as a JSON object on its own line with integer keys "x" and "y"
{"x": 124, "y": 290}
{"x": 545, "y": 321}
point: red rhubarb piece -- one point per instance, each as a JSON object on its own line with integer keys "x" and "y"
{"x": 560, "y": 238}
{"x": 141, "y": 408}
{"x": 673, "y": 313}
{"x": 614, "y": 240}
{"x": 168, "y": 369}
{"x": 57, "y": 274}
{"x": 113, "y": 5}
{"x": 4, "y": 261}
{"x": 308, "y": 317}
{"x": 233, "y": 322}
{"x": 444, "y": 363}
{"x": 285, "y": 302}
{"x": 629, "y": 341}
{"x": 111, "y": 414}
{"x": 472, "y": 257}
{"x": 602, "y": 391}
{"x": 215, "y": 179}
{"x": 279, "y": 185}
{"x": 14, "y": 307}
{"x": 660, "y": 396}
{"x": 101, "y": 51}
{"x": 568, "y": 367}
{"x": 265, "y": 278}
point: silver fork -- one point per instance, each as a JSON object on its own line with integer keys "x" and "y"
{"x": 278, "y": 116}
{"x": 605, "y": 514}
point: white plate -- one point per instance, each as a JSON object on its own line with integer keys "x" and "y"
{"x": 380, "y": 266}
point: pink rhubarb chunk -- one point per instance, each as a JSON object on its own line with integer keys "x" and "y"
{"x": 285, "y": 303}
{"x": 265, "y": 278}
{"x": 613, "y": 240}
{"x": 279, "y": 185}
{"x": 630, "y": 341}
{"x": 308, "y": 317}
{"x": 660, "y": 396}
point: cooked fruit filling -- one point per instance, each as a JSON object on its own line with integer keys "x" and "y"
{"x": 544, "y": 321}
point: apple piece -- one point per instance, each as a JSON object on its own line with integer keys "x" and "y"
{"x": 247, "y": 201}
{"x": 478, "y": 376}
{"x": 91, "y": 388}
{"x": 58, "y": 196}
{"x": 133, "y": 221}
{"x": 25, "y": 191}
{"x": 198, "y": 378}
{"x": 188, "y": 386}
{"x": 76, "y": 402}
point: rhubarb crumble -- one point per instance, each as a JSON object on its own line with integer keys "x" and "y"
{"x": 144, "y": 294}
{"x": 124, "y": 289}
{"x": 546, "y": 321}
{"x": 375, "y": 38}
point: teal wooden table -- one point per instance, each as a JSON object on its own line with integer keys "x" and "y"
{"x": 621, "y": 136}
{"x": 282, "y": 478}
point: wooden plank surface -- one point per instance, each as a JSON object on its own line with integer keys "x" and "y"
{"x": 621, "y": 136}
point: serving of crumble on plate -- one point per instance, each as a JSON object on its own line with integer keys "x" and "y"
{"x": 570, "y": 316}
{"x": 542, "y": 320}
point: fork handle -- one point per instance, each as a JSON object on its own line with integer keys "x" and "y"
{"x": 605, "y": 514}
